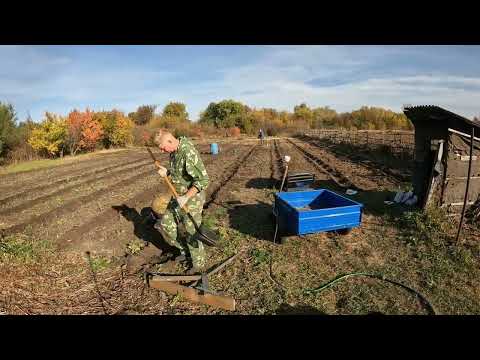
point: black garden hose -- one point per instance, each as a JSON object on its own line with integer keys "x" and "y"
{"x": 375, "y": 276}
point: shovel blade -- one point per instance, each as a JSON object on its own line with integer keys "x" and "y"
{"x": 207, "y": 236}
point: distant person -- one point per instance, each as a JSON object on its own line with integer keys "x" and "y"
{"x": 261, "y": 136}
{"x": 190, "y": 179}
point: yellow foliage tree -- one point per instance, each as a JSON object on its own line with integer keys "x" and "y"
{"x": 122, "y": 133}
{"x": 50, "y": 137}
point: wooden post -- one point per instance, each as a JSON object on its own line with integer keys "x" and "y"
{"x": 467, "y": 186}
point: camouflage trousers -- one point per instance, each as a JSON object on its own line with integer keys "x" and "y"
{"x": 173, "y": 216}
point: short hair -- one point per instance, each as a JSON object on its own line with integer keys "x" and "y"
{"x": 160, "y": 133}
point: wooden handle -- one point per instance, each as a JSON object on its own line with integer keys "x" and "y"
{"x": 172, "y": 189}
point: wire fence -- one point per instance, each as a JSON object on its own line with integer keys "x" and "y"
{"x": 399, "y": 143}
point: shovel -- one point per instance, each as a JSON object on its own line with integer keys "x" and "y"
{"x": 205, "y": 235}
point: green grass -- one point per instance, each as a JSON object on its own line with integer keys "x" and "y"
{"x": 211, "y": 220}
{"x": 22, "y": 248}
{"x": 415, "y": 248}
{"x": 31, "y": 165}
{"x": 430, "y": 226}
{"x": 260, "y": 256}
{"x": 46, "y": 163}
{"x": 99, "y": 263}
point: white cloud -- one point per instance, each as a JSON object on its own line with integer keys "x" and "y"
{"x": 280, "y": 80}
{"x": 279, "y": 77}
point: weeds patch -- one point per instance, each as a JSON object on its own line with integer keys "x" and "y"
{"x": 430, "y": 227}
{"x": 260, "y": 256}
{"x": 99, "y": 263}
{"x": 134, "y": 247}
{"x": 19, "y": 247}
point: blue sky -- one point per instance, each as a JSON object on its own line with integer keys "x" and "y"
{"x": 58, "y": 79}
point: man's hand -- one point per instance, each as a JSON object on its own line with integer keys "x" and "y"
{"x": 182, "y": 200}
{"x": 162, "y": 171}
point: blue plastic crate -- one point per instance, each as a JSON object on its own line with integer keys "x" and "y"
{"x": 314, "y": 211}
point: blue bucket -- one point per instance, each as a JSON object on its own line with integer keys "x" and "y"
{"x": 214, "y": 149}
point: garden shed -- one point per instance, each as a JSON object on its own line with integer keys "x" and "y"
{"x": 442, "y": 157}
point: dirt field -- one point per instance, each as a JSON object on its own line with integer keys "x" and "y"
{"x": 51, "y": 218}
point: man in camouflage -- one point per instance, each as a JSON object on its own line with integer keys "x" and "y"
{"x": 190, "y": 179}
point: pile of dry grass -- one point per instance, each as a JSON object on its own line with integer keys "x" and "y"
{"x": 74, "y": 285}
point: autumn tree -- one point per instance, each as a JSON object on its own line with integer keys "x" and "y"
{"x": 117, "y": 128}
{"x": 226, "y": 113}
{"x": 143, "y": 115}
{"x": 303, "y": 112}
{"x": 176, "y": 110}
{"x": 84, "y": 132}
{"x": 107, "y": 120}
{"x": 91, "y": 134}
{"x": 50, "y": 137}
{"x": 122, "y": 134}
{"x": 324, "y": 117}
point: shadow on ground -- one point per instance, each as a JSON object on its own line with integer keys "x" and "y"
{"x": 262, "y": 183}
{"x": 373, "y": 200}
{"x": 286, "y": 309}
{"x": 143, "y": 227}
{"x": 255, "y": 220}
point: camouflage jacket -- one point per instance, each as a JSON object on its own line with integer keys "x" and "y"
{"x": 187, "y": 168}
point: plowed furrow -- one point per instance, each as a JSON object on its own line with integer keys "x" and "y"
{"x": 214, "y": 194}
{"x": 56, "y": 183}
{"x": 67, "y": 189}
{"x": 73, "y": 204}
{"x": 63, "y": 169}
{"x": 338, "y": 178}
{"x": 363, "y": 161}
{"x": 109, "y": 215}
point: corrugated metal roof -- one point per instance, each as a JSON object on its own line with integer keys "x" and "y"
{"x": 433, "y": 112}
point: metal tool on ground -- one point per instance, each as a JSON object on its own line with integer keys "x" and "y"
{"x": 213, "y": 271}
{"x": 199, "y": 292}
{"x": 204, "y": 234}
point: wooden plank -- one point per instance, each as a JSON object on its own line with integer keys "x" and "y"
{"x": 455, "y": 191}
{"x": 463, "y": 134}
{"x": 467, "y": 157}
{"x": 456, "y": 167}
{"x": 176, "y": 277}
{"x": 431, "y": 182}
{"x": 464, "y": 178}
{"x": 461, "y": 203}
{"x": 191, "y": 294}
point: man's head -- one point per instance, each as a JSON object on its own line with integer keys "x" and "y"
{"x": 166, "y": 142}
